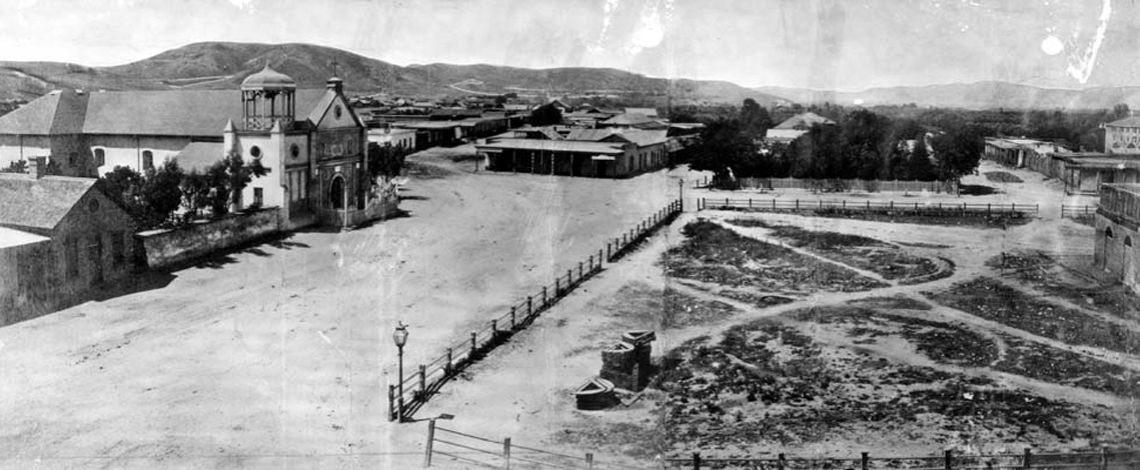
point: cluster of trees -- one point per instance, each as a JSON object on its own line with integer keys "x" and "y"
{"x": 862, "y": 145}
{"x": 154, "y": 196}
{"x": 545, "y": 115}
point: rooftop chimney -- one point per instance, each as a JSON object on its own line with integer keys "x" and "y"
{"x": 37, "y": 167}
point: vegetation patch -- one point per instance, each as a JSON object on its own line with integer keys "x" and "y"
{"x": 866, "y": 253}
{"x": 1046, "y": 275}
{"x": 711, "y": 253}
{"x": 1050, "y": 364}
{"x": 639, "y": 304}
{"x": 1002, "y": 177}
{"x": 992, "y": 300}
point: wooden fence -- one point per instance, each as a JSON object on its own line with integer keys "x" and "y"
{"x": 472, "y": 450}
{"x": 833, "y": 185}
{"x": 1081, "y": 213}
{"x": 1103, "y": 460}
{"x": 408, "y": 396}
{"x": 937, "y": 209}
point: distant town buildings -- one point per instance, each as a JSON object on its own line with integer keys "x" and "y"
{"x": 1081, "y": 172}
{"x": 1123, "y": 136}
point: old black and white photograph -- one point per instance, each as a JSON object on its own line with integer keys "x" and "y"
{"x": 570, "y": 234}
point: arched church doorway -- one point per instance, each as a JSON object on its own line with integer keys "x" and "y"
{"x": 336, "y": 192}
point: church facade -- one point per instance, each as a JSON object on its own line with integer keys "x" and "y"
{"x": 310, "y": 140}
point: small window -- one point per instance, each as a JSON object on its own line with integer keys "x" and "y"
{"x": 147, "y": 160}
{"x": 255, "y": 152}
{"x": 100, "y": 157}
{"x": 294, "y": 151}
{"x": 72, "y": 159}
{"x": 1108, "y": 232}
{"x": 258, "y": 196}
{"x": 93, "y": 206}
{"x": 118, "y": 249}
{"x": 1127, "y": 241}
{"x": 337, "y": 111}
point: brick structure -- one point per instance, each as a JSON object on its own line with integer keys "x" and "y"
{"x": 628, "y": 364}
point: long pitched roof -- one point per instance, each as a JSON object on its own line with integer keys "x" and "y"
{"x": 26, "y": 202}
{"x": 803, "y": 121}
{"x": 1132, "y": 121}
{"x": 576, "y": 146}
{"x": 168, "y": 113}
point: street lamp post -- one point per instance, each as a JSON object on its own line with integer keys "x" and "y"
{"x": 400, "y": 337}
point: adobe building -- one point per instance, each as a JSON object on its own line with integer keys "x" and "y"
{"x": 60, "y": 241}
{"x": 603, "y": 153}
{"x": 1117, "y": 221}
{"x": 311, "y": 141}
{"x": 1123, "y": 136}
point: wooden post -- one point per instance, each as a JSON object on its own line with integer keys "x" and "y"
{"x": 599, "y": 259}
{"x": 513, "y": 317}
{"x": 1103, "y": 458}
{"x": 474, "y": 345}
{"x": 557, "y": 286}
{"x": 400, "y": 404}
{"x": 988, "y": 208}
{"x": 696, "y": 461}
{"x": 609, "y": 251}
{"x": 430, "y": 441}
{"x": 391, "y": 403}
{"x": 529, "y": 306}
{"x": 507, "y": 453}
{"x": 864, "y": 460}
{"x": 447, "y": 366}
{"x": 1027, "y": 461}
{"x": 569, "y": 278}
{"x": 423, "y": 380}
{"x": 494, "y": 329}
{"x": 797, "y": 205}
{"x": 589, "y": 461}
{"x": 591, "y": 263}
{"x": 580, "y": 270}
{"x": 947, "y": 456}
{"x": 543, "y": 296}
{"x": 780, "y": 462}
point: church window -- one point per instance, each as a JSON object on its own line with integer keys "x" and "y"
{"x": 337, "y": 111}
{"x": 147, "y": 160}
{"x": 100, "y": 157}
{"x": 1108, "y": 232}
{"x": 258, "y": 196}
{"x": 1127, "y": 241}
{"x": 93, "y": 206}
{"x": 255, "y": 152}
{"x": 294, "y": 151}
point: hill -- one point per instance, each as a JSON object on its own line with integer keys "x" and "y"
{"x": 215, "y": 65}
{"x": 979, "y": 95}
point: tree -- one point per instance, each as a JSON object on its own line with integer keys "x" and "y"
{"x": 218, "y": 177}
{"x": 546, "y": 115}
{"x": 124, "y": 186}
{"x": 195, "y": 189}
{"x": 386, "y": 160}
{"x": 918, "y": 165}
{"x": 754, "y": 119}
{"x": 723, "y": 147}
{"x": 160, "y": 192}
{"x": 958, "y": 151}
{"x": 239, "y": 175}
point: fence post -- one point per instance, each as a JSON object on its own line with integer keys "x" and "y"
{"x": 544, "y": 296}
{"x": 609, "y": 251}
{"x": 780, "y": 463}
{"x": 423, "y": 381}
{"x": 589, "y": 461}
{"x": 557, "y": 286}
{"x": 599, "y": 259}
{"x": 513, "y": 317}
{"x": 1027, "y": 461}
{"x": 696, "y": 461}
{"x": 447, "y": 370}
{"x": 507, "y": 453}
{"x": 1103, "y": 458}
{"x": 947, "y": 456}
{"x": 580, "y": 270}
{"x": 569, "y": 279}
{"x": 391, "y": 403}
{"x": 474, "y": 345}
{"x": 864, "y": 460}
{"x": 773, "y": 205}
{"x": 988, "y": 208}
{"x": 529, "y": 306}
{"x": 749, "y": 203}
{"x": 494, "y": 329}
{"x": 430, "y": 440}
{"x": 797, "y": 205}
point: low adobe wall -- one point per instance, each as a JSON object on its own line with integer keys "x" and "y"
{"x": 169, "y": 247}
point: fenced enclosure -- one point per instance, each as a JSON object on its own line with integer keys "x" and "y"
{"x": 1081, "y": 213}
{"x": 410, "y": 394}
{"x": 936, "y": 209}
{"x": 949, "y": 460}
{"x": 831, "y": 185}
{"x": 483, "y": 452}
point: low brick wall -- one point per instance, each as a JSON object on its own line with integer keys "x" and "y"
{"x": 165, "y": 248}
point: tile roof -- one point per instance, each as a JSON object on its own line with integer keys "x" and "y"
{"x": 575, "y": 146}
{"x": 169, "y": 113}
{"x": 26, "y": 202}
{"x": 629, "y": 119}
{"x": 641, "y": 137}
{"x": 200, "y": 155}
{"x": 803, "y": 121}
{"x": 589, "y": 134}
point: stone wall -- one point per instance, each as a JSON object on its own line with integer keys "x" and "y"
{"x": 165, "y": 248}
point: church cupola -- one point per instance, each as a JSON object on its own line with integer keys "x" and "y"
{"x": 268, "y": 97}
{"x": 335, "y": 84}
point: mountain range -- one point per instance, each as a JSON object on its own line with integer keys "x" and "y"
{"x": 223, "y": 65}
{"x": 978, "y": 95}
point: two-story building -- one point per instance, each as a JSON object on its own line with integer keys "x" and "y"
{"x": 1117, "y": 222}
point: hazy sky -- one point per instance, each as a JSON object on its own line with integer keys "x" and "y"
{"x": 832, "y": 44}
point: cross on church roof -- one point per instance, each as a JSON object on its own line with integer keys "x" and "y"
{"x": 334, "y": 67}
